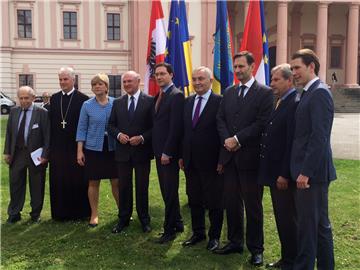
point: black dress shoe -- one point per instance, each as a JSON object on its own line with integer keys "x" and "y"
{"x": 257, "y": 259}
{"x": 92, "y": 225}
{"x": 165, "y": 237}
{"x": 277, "y": 264}
{"x": 228, "y": 249}
{"x": 146, "y": 228}
{"x": 119, "y": 227}
{"x": 194, "y": 239}
{"x": 36, "y": 219}
{"x": 13, "y": 219}
{"x": 213, "y": 244}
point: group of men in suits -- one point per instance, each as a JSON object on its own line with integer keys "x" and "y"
{"x": 229, "y": 147}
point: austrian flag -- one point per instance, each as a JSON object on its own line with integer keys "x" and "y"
{"x": 156, "y": 47}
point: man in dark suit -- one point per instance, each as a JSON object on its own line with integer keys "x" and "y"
{"x": 166, "y": 137}
{"x": 28, "y": 129}
{"x": 242, "y": 116}
{"x": 131, "y": 123}
{"x": 274, "y": 168}
{"x": 311, "y": 164}
{"x": 200, "y": 153}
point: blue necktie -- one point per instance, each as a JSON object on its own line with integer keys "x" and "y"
{"x": 132, "y": 107}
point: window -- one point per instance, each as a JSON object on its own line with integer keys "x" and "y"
{"x": 113, "y": 26}
{"x": 335, "y": 59}
{"x": 115, "y": 85}
{"x": 26, "y": 79}
{"x": 70, "y": 25}
{"x": 24, "y": 23}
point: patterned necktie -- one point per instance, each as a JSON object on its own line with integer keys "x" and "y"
{"x": 197, "y": 112}
{"x": 242, "y": 91}
{"x": 278, "y": 103}
{"x": 21, "y": 132}
{"x": 132, "y": 107}
{"x": 157, "y": 104}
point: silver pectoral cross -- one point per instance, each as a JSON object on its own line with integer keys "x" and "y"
{"x": 63, "y": 123}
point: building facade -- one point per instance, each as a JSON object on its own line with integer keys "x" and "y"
{"x": 38, "y": 37}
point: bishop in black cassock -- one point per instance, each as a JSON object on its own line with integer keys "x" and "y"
{"x": 68, "y": 186}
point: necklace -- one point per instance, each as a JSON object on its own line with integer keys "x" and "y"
{"x": 63, "y": 118}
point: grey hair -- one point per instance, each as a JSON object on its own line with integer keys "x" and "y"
{"x": 67, "y": 70}
{"x": 204, "y": 69}
{"x": 133, "y": 73}
{"x": 285, "y": 69}
{"x": 28, "y": 89}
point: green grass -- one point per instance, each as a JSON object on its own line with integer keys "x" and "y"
{"x": 72, "y": 245}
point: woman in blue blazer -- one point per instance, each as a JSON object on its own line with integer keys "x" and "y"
{"x": 95, "y": 148}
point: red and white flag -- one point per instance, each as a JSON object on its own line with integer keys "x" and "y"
{"x": 156, "y": 47}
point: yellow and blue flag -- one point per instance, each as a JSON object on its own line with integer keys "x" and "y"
{"x": 223, "y": 64}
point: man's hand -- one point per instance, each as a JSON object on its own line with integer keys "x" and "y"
{"x": 282, "y": 183}
{"x": 81, "y": 158}
{"x": 7, "y": 159}
{"x": 231, "y": 144}
{"x": 302, "y": 182}
{"x": 165, "y": 160}
{"x": 220, "y": 169}
{"x": 135, "y": 140}
{"x": 181, "y": 163}
{"x": 43, "y": 160}
{"x": 123, "y": 138}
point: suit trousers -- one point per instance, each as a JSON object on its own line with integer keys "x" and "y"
{"x": 283, "y": 202}
{"x": 315, "y": 241}
{"x": 125, "y": 174}
{"x": 169, "y": 185}
{"x": 204, "y": 190}
{"x": 241, "y": 190}
{"x": 22, "y": 163}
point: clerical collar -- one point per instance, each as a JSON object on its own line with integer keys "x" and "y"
{"x": 307, "y": 86}
{"x": 68, "y": 93}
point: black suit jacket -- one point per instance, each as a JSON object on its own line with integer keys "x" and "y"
{"x": 38, "y": 132}
{"x": 141, "y": 124}
{"x": 311, "y": 153}
{"x": 201, "y": 144}
{"x": 168, "y": 123}
{"x": 246, "y": 118}
{"x": 276, "y": 141}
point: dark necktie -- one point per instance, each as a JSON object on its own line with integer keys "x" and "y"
{"x": 242, "y": 91}
{"x": 21, "y": 132}
{"x": 157, "y": 104}
{"x": 197, "y": 112}
{"x": 132, "y": 107}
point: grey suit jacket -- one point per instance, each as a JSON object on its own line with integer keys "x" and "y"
{"x": 311, "y": 152}
{"x": 38, "y": 133}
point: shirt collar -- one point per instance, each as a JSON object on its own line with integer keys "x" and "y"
{"x": 30, "y": 108}
{"x": 204, "y": 96}
{"x": 68, "y": 93}
{"x": 136, "y": 95}
{"x": 307, "y": 86}
{"x": 249, "y": 83}
{"x": 167, "y": 87}
{"x": 288, "y": 92}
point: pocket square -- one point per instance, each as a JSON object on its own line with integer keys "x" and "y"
{"x": 35, "y": 126}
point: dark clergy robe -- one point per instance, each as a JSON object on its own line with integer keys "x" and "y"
{"x": 68, "y": 186}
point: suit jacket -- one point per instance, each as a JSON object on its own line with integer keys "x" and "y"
{"x": 201, "y": 144}
{"x": 276, "y": 141}
{"x": 141, "y": 124}
{"x": 168, "y": 123}
{"x": 311, "y": 153}
{"x": 38, "y": 133}
{"x": 246, "y": 118}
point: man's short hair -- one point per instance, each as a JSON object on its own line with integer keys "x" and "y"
{"x": 205, "y": 69}
{"x": 285, "y": 69}
{"x": 67, "y": 70}
{"x": 308, "y": 56}
{"x": 27, "y": 89}
{"x": 168, "y": 67}
{"x": 248, "y": 56}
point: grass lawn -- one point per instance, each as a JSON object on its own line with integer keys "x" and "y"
{"x": 72, "y": 245}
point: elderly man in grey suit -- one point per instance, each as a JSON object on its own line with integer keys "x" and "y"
{"x": 28, "y": 130}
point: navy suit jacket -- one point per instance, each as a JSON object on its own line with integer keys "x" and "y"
{"x": 141, "y": 124}
{"x": 246, "y": 118}
{"x": 168, "y": 123}
{"x": 311, "y": 151}
{"x": 201, "y": 144}
{"x": 276, "y": 141}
